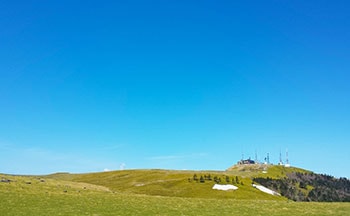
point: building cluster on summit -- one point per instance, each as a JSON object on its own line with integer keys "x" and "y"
{"x": 266, "y": 160}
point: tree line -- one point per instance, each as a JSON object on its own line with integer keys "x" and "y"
{"x": 225, "y": 179}
{"x": 309, "y": 187}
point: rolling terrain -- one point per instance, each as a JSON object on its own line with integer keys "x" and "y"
{"x": 154, "y": 192}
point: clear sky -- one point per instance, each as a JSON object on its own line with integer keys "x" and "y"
{"x": 87, "y": 86}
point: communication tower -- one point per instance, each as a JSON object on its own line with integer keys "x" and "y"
{"x": 281, "y": 162}
{"x": 287, "y": 160}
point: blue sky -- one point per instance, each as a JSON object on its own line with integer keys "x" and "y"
{"x": 173, "y": 84}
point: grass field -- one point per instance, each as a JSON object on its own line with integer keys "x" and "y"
{"x": 104, "y": 194}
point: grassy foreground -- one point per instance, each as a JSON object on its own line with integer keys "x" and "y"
{"x": 121, "y": 204}
{"x": 45, "y": 196}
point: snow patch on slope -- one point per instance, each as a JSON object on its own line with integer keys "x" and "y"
{"x": 266, "y": 190}
{"x": 224, "y": 187}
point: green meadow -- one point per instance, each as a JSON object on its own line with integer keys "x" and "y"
{"x": 147, "y": 192}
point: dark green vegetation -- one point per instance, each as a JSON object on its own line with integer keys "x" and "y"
{"x": 153, "y": 192}
{"x": 309, "y": 187}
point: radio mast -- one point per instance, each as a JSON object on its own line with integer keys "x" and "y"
{"x": 281, "y": 162}
{"x": 287, "y": 160}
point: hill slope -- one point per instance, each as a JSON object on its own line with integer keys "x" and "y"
{"x": 194, "y": 184}
{"x": 151, "y": 192}
{"x": 291, "y": 182}
{"x": 38, "y": 195}
{"x": 172, "y": 183}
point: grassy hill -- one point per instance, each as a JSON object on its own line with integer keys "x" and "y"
{"x": 171, "y": 183}
{"x": 151, "y": 192}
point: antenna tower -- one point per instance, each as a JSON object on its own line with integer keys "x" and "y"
{"x": 281, "y": 162}
{"x": 256, "y": 157}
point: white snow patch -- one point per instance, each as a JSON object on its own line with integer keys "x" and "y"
{"x": 266, "y": 190}
{"x": 106, "y": 170}
{"x": 224, "y": 187}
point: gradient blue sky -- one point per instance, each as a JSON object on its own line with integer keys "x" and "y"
{"x": 88, "y": 86}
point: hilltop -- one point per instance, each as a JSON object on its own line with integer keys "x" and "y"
{"x": 290, "y": 182}
{"x": 264, "y": 170}
{"x": 295, "y": 183}
{"x": 280, "y": 182}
